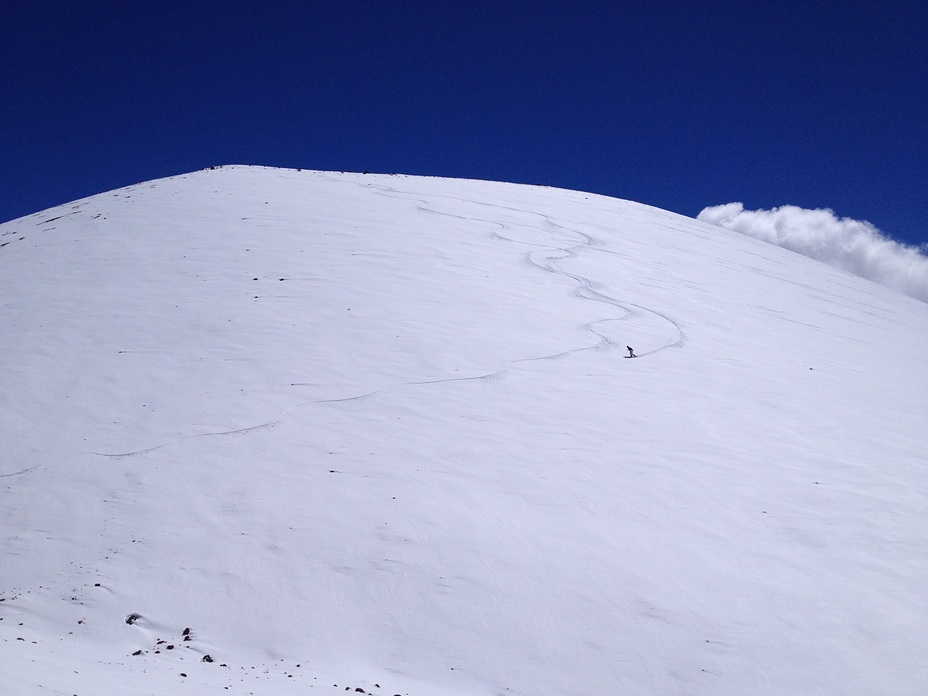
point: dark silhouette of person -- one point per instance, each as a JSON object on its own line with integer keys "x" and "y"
{"x": 631, "y": 353}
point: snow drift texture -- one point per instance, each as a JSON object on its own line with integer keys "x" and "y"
{"x": 851, "y": 245}
{"x": 338, "y": 431}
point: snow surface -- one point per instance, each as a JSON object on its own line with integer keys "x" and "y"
{"x": 377, "y": 432}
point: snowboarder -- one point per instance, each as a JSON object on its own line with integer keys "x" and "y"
{"x": 631, "y": 353}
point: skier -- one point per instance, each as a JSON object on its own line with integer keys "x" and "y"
{"x": 631, "y": 353}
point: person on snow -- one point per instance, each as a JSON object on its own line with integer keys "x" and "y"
{"x": 631, "y": 353}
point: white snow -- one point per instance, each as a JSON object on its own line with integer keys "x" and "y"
{"x": 377, "y": 432}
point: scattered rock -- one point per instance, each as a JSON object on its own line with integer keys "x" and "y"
{"x": 183, "y": 674}
{"x": 206, "y": 658}
{"x": 137, "y": 653}
{"x": 170, "y": 647}
{"x": 132, "y": 618}
{"x": 186, "y": 632}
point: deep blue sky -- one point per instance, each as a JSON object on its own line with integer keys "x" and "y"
{"x": 675, "y": 104}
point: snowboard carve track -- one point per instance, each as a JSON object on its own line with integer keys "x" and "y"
{"x": 557, "y": 252}
{"x": 566, "y": 244}
{"x": 20, "y": 473}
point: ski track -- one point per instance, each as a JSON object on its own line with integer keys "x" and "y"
{"x": 20, "y": 473}
{"x": 544, "y": 258}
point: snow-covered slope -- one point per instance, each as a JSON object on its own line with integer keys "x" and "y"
{"x": 377, "y": 432}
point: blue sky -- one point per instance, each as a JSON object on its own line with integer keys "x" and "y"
{"x": 680, "y": 105}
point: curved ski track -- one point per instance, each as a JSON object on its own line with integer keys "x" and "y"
{"x": 545, "y": 258}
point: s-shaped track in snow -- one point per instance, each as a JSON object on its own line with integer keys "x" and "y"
{"x": 563, "y": 243}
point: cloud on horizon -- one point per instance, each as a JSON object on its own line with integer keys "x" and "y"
{"x": 851, "y": 245}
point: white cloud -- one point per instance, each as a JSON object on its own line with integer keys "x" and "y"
{"x": 851, "y": 245}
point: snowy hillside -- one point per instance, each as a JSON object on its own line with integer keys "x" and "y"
{"x": 378, "y": 432}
